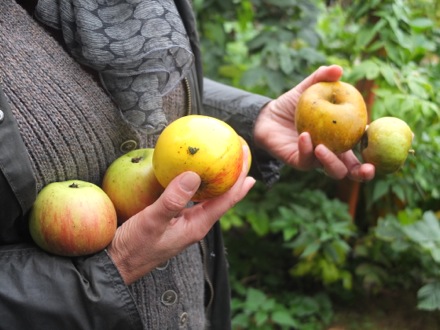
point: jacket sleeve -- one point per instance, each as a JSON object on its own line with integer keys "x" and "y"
{"x": 240, "y": 110}
{"x": 43, "y": 291}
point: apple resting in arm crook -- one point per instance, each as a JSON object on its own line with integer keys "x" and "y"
{"x": 275, "y": 132}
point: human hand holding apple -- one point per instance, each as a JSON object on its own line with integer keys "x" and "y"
{"x": 275, "y": 131}
{"x": 167, "y": 227}
{"x": 202, "y": 144}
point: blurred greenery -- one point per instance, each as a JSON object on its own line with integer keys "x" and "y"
{"x": 295, "y": 248}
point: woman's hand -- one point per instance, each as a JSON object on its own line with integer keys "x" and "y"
{"x": 275, "y": 132}
{"x": 165, "y": 228}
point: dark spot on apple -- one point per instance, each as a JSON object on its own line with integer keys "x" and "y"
{"x": 334, "y": 121}
{"x": 136, "y": 159}
{"x": 193, "y": 150}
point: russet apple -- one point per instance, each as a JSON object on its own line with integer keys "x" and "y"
{"x": 333, "y": 113}
{"x": 131, "y": 184}
{"x": 72, "y": 218}
{"x": 203, "y": 144}
{"x": 386, "y": 144}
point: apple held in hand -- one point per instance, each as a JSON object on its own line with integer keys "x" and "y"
{"x": 203, "y": 144}
{"x": 333, "y": 113}
{"x": 386, "y": 144}
{"x": 72, "y": 218}
{"x": 131, "y": 184}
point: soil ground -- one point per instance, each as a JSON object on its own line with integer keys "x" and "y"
{"x": 390, "y": 311}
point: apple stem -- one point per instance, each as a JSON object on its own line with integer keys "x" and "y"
{"x": 136, "y": 159}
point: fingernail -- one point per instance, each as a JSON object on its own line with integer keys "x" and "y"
{"x": 189, "y": 181}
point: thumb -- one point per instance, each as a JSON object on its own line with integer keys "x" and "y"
{"x": 176, "y": 196}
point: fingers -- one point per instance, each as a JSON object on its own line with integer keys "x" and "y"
{"x": 332, "y": 165}
{"x": 175, "y": 197}
{"x": 344, "y": 165}
{"x": 324, "y": 73}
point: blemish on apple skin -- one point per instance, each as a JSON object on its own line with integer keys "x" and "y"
{"x": 334, "y": 121}
{"x": 193, "y": 150}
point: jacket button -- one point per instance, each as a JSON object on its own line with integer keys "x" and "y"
{"x": 169, "y": 298}
{"x": 163, "y": 265}
{"x": 183, "y": 319}
{"x": 2, "y": 116}
{"x": 128, "y": 145}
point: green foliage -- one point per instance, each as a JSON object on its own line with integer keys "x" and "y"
{"x": 260, "y": 45}
{"x": 256, "y": 310}
{"x": 304, "y": 235}
{"x": 294, "y": 240}
{"x": 407, "y": 251}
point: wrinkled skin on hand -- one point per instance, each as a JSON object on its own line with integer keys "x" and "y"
{"x": 165, "y": 228}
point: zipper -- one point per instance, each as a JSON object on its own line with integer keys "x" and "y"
{"x": 204, "y": 249}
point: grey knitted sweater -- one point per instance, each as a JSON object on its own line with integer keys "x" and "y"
{"x": 72, "y": 130}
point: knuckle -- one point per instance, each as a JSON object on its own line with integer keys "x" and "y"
{"x": 173, "y": 203}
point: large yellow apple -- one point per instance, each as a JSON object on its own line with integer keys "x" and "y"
{"x": 333, "y": 113}
{"x": 131, "y": 184}
{"x": 203, "y": 144}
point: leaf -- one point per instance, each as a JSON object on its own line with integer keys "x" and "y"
{"x": 388, "y": 229}
{"x": 424, "y": 231}
{"x": 380, "y": 189}
{"x": 429, "y": 297}
{"x": 311, "y": 249}
{"x": 254, "y": 299}
{"x": 420, "y": 24}
{"x": 388, "y": 74}
{"x": 259, "y": 221}
{"x": 399, "y": 191}
{"x": 283, "y": 317}
{"x": 260, "y": 318}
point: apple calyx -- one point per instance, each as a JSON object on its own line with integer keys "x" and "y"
{"x": 193, "y": 150}
{"x": 136, "y": 160}
{"x": 74, "y": 185}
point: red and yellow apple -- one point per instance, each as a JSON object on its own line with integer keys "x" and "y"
{"x": 333, "y": 113}
{"x": 131, "y": 184}
{"x": 72, "y": 218}
{"x": 244, "y": 143}
{"x": 203, "y": 144}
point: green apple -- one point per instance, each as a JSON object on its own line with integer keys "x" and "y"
{"x": 131, "y": 184}
{"x": 386, "y": 144}
{"x": 72, "y": 218}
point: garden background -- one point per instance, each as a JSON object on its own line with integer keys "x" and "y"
{"x": 315, "y": 253}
